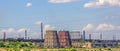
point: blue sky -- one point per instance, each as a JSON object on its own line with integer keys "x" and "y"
{"x": 90, "y": 15}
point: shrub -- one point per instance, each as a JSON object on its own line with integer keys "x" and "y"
{"x": 73, "y": 49}
{"x": 26, "y": 49}
{"x": 109, "y": 49}
{"x": 43, "y": 50}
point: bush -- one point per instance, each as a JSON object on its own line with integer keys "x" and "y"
{"x": 100, "y": 49}
{"x": 73, "y": 49}
{"x": 26, "y": 49}
{"x": 62, "y": 50}
{"x": 43, "y": 50}
{"x": 109, "y": 49}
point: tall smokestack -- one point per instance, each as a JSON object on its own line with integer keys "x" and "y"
{"x": 84, "y": 35}
{"x": 89, "y": 36}
{"x": 4, "y": 37}
{"x": 41, "y": 31}
{"x": 25, "y": 34}
{"x": 100, "y": 36}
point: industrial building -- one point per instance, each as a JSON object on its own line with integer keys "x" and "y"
{"x": 64, "y": 39}
{"x": 61, "y": 39}
{"x": 101, "y": 43}
{"x": 76, "y": 38}
{"x": 75, "y": 35}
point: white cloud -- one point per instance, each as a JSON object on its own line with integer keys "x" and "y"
{"x": 98, "y": 3}
{"x": 111, "y": 17}
{"x": 28, "y": 4}
{"x": 107, "y": 27}
{"x": 101, "y": 27}
{"x": 49, "y": 27}
{"x": 21, "y": 30}
{"x": 61, "y": 1}
{"x": 88, "y": 27}
{"x": 38, "y": 22}
{"x": 9, "y": 30}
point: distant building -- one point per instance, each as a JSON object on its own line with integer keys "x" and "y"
{"x": 118, "y": 43}
{"x": 64, "y": 39}
{"x": 51, "y": 39}
{"x": 101, "y": 43}
{"x": 75, "y": 35}
{"x": 76, "y": 38}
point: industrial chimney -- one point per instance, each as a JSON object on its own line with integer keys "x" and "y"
{"x": 41, "y": 31}
{"x": 84, "y": 35}
{"x": 4, "y": 37}
{"x": 25, "y": 34}
{"x": 90, "y": 37}
{"x": 100, "y": 36}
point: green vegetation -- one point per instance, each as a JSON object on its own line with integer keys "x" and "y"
{"x": 29, "y": 46}
{"x": 17, "y": 46}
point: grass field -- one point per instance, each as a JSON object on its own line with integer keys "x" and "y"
{"x": 64, "y": 49}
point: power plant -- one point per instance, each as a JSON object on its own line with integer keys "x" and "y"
{"x": 62, "y": 39}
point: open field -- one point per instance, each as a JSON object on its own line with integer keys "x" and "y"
{"x": 64, "y": 49}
